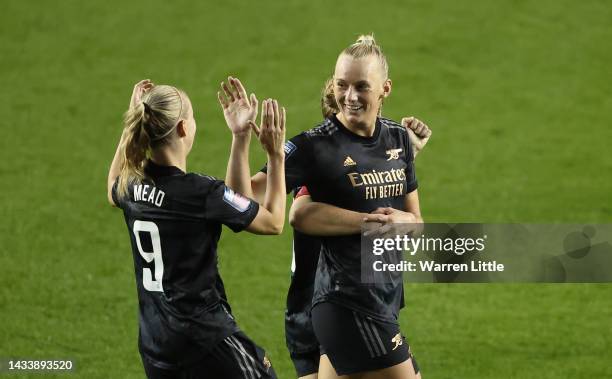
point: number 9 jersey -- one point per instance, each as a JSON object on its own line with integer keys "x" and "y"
{"x": 174, "y": 221}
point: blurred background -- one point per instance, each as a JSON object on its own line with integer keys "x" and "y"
{"x": 517, "y": 94}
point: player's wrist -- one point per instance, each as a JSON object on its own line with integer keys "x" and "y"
{"x": 242, "y": 136}
{"x": 276, "y": 155}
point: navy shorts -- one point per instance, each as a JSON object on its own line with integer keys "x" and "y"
{"x": 357, "y": 343}
{"x": 306, "y": 363}
{"x": 236, "y": 357}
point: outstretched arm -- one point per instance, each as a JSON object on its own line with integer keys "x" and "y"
{"x": 240, "y": 112}
{"x": 271, "y": 216}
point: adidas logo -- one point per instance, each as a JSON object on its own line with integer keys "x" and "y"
{"x": 349, "y": 161}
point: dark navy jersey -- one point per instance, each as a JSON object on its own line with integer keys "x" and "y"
{"x": 174, "y": 221}
{"x": 361, "y": 174}
{"x": 299, "y": 333}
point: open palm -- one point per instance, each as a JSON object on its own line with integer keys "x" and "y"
{"x": 239, "y": 111}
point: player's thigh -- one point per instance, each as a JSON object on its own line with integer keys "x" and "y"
{"x": 326, "y": 370}
{"x": 404, "y": 370}
{"x": 306, "y": 364}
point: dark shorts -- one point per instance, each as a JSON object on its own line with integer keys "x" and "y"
{"x": 236, "y": 357}
{"x": 357, "y": 343}
{"x": 306, "y": 363}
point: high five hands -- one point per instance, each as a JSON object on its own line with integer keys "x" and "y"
{"x": 240, "y": 112}
{"x": 271, "y": 133}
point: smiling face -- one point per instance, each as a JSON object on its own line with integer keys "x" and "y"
{"x": 360, "y": 86}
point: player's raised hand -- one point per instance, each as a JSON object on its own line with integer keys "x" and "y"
{"x": 418, "y": 132}
{"x": 140, "y": 89}
{"x": 240, "y": 111}
{"x": 272, "y": 129}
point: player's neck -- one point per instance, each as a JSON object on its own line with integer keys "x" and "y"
{"x": 164, "y": 156}
{"x": 361, "y": 129}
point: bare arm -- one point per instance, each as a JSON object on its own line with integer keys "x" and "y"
{"x": 271, "y": 216}
{"x": 320, "y": 219}
{"x": 238, "y": 171}
{"x": 240, "y": 112}
{"x": 395, "y": 221}
{"x": 258, "y": 186}
{"x": 113, "y": 173}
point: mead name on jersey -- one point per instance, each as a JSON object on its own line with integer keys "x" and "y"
{"x": 380, "y": 184}
{"x": 150, "y": 194}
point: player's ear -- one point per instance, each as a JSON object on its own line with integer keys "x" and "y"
{"x": 387, "y": 88}
{"x": 181, "y": 128}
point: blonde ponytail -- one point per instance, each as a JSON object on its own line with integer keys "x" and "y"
{"x": 147, "y": 125}
{"x": 328, "y": 99}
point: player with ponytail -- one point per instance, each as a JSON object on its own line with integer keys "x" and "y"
{"x": 299, "y": 334}
{"x": 356, "y": 326}
{"x": 352, "y": 140}
{"x": 174, "y": 221}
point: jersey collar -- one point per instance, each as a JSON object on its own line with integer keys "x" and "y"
{"x": 154, "y": 170}
{"x": 354, "y": 136}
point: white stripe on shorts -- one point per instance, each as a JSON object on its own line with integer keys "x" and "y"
{"x": 241, "y": 359}
{"x": 247, "y": 355}
{"x": 363, "y": 335}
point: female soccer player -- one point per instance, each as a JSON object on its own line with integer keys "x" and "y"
{"x": 174, "y": 220}
{"x": 356, "y": 324}
{"x": 299, "y": 334}
{"x": 353, "y": 164}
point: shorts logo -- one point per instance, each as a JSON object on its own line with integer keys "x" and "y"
{"x": 266, "y": 362}
{"x": 236, "y": 200}
{"x": 397, "y": 340}
{"x": 289, "y": 148}
{"x": 349, "y": 161}
{"x": 393, "y": 153}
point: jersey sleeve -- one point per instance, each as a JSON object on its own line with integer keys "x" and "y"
{"x": 298, "y": 157}
{"x": 229, "y": 207}
{"x": 411, "y": 180}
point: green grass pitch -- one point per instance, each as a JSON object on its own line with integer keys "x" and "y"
{"x": 517, "y": 94}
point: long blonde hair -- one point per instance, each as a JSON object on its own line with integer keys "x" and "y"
{"x": 147, "y": 125}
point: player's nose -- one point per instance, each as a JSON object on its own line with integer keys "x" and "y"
{"x": 351, "y": 95}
